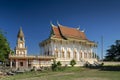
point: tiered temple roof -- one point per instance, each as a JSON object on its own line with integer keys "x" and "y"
{"x": 64, "y": 32}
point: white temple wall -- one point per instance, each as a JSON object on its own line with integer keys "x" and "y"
{"x": 80, "y": 49}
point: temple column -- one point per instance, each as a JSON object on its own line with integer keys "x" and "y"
{"x": 87, "y": 55}
{"x": 16, "y": 63}
{"x": 78, "y": 56}
{"x": 59, "y": 55}
{"x": 94, "y": 53}
{"x": 92, "y": 50}
{"x": 10, "y": 63}
{"x": 83, "y": 56}
{"x": 72, "y": 54}
{"x": 65, "y": 54}
{"x": 90, "y": 55}
{"x": 26, "y": 63}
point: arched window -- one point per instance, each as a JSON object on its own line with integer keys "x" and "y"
{"x": 21, "y": 45}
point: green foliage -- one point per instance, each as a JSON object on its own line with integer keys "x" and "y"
{"x": 72, "y": 62}
{"x": 71, "y": 73}
{"x": 56, "y": 66}
{"x": 59, "y": 64}
{"x": 4, "y": 47}
{"x": 113, "y": 53}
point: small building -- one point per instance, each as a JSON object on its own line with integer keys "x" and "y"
{"x": 22, "y": 60}
{"x": 65, "y": 44}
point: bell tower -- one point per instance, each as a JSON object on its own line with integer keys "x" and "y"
{"x": 20, "y": 48}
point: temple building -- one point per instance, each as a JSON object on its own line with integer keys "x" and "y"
{"x": 22, "y": 60}
{"x": 65, "y": 44}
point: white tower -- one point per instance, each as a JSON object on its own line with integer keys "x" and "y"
{"x": 20, "y": 48}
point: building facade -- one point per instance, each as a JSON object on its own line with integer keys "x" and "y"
{"x": 22, "y": 60}
{"x": 63, "y": 44}
{"x": 67, "y": 43}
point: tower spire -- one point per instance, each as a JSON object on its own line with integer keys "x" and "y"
{"x": 20, "y": 33}
{"x": 20, "y": 47}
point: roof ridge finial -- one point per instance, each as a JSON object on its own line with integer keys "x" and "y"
{"x": 83, "y": 30}
{"x": 51, "y": 24}
{"x": 58, "y": 23}
{"x": 78, "y": 28}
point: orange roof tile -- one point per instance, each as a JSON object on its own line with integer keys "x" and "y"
{"x": 56, "y": 32}
{"x": 63, "y": 31}
{"x": 72, "y": 32}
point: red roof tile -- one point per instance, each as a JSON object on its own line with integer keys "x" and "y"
{"x": 56, "y": 32}
{"x": 72, "y": 32}
{"x": 63, "y": 31}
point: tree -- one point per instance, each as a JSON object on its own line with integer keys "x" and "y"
{"x": 113, "y": 53}
{"x": 72, "y": 62}
{"x": 4, "y": 48}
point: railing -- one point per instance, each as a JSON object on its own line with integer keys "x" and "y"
{"x": 30, "y": 56}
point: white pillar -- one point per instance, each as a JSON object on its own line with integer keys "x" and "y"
{"x": 72, "y": 54}
{"x": 94, "y": 52}
{"x": 10, "y": 63}
{"x": 83, "y": 55}
{"x": 65, "y": 54}
{"x": 16, "y": 63}
{"x": 78, "y": 56}
{"x": 26, "y": 63}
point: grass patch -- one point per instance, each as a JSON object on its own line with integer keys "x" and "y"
{"x": 70, "y": 73}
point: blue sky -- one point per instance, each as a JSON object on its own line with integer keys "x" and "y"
{"x": 97, "y": 17}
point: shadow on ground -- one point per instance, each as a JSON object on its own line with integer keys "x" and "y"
{"x": 110, "y": 68}
{"x": 106, "y": 68}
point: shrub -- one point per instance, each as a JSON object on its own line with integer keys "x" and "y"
{"x": 59, "y": 64}
{"x": 72, "y": 62}
{"x": 33, "y": 69}
{"x": 54, "y": 66}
